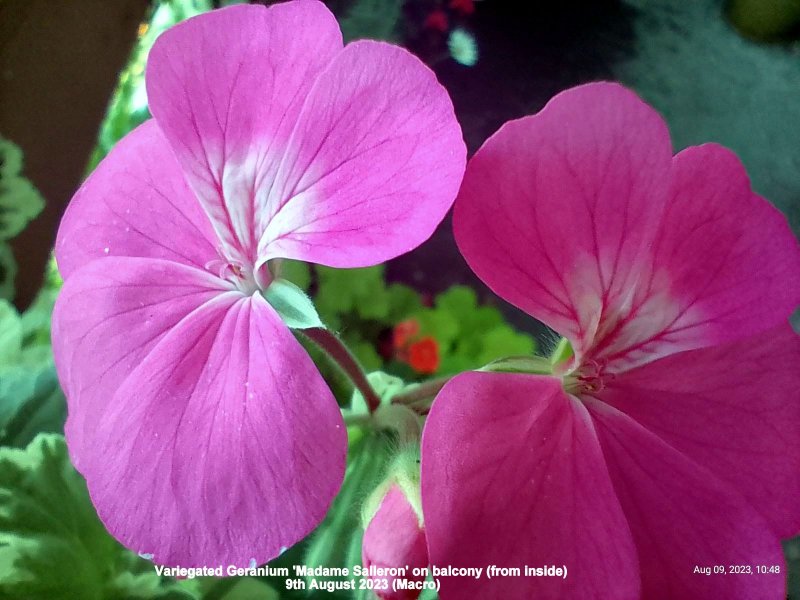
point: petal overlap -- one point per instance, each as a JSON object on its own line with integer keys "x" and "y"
{"x": 556, "y": 209}
{"x": 633, "y": 255}
{"x": 204, "y": 431}
{"x": 725, "y": 265}
{"x": 674, "y": 282}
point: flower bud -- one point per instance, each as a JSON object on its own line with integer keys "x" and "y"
{"x": 395, "y": 538}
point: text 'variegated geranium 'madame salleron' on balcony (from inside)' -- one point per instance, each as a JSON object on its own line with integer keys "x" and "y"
{"x": 670, "y": 441}
{"x": 203, "y": 429}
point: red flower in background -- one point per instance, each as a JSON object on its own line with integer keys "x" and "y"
{"x": 423, "y": 356}
{"x": 437, "y": 21}
{"x": 403, "y": 332}
{"x": 421, "y": 353}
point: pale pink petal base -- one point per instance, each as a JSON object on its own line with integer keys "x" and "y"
{"x": 724, "y": 265}
{"x": 375, "y": 162}
{"x": 226, "y": 87}
{"x": 557, "y": 208}
{"x": 682, "y": 516}
{"x": 223, "y": 447}
{"x": 513, "y": 475}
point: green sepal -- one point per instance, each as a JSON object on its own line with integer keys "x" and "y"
{"x": 536, "y": 365}
{"x": 563, "y": 352}
{"x": 292, "y": 304}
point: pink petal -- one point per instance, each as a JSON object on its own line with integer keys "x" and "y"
{"x": 107, "y": 318}
{"x": 513, "y": 475}
{"x": 683, "y": 517}
{"x": 226, "y": 87}
{"x": 556, "y": 209}
{"x": 395, "y": 539}
{"x": 733, "y": 409}
{"x": 725, "y": 265}
{"x": 379, "y": 159}
{"x": 734, "y": 261}
{"x": 223, "y": 447}
{"x": 136, "y": 203}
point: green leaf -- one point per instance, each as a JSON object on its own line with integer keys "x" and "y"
{"x": 30, "y": 397}
{"x": 459, "y": 300}
{"x": 504, "y": 341}
{"x": 403, "y": 302}
{"x": 20, "y": 202}
{"x": 52, "y": 545}
{"x": 292, "y": 304}
{"x": 248, "y": 588}
{"x": 791, "y": 549}
{"x": 372, "y": 19}
{"x": 352, "y": 291}
{"x": 365, "y": 353}
{"x": 10, "y": 332}
{"x": 10, "y": 159}
{"x": 386, "y": 386}
{"x": 440, "y": 323}
{"x": 30, "y": 403}
{"x": 8, "y": 272}
{"x": 237, "y": 588}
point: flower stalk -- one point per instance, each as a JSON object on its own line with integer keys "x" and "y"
{"x": 340, "y": 354}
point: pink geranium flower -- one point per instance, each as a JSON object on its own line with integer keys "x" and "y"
{"x": 671, "y": 441}
{"x": 204, "y": 431}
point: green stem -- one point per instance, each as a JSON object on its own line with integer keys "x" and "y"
{"x": 346, "y": 361}
{"x": 416, "y": 396}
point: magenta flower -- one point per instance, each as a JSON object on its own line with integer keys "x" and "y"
{"x": 671, "y": 442}
{"x": 205, "y": 433}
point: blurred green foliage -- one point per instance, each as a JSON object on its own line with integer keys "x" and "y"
{"x": 765, "y": 19}
{"x": 20, "y": 203}
{"x": 364, "y": 310}
{"x": 372, "y": 19}
{"x": 52, "y": 545}
{"x": 128, "y": 106}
